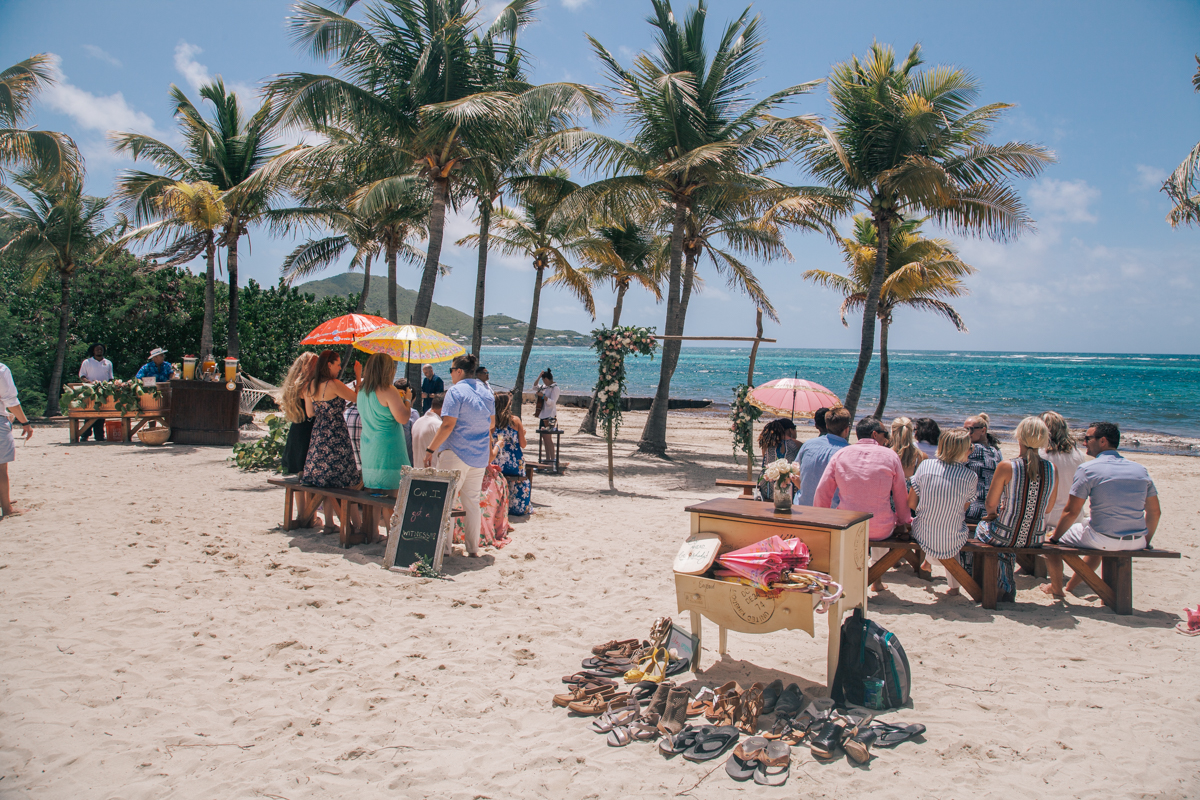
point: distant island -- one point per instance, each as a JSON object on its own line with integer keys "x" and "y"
{"x": 498, "y": 329}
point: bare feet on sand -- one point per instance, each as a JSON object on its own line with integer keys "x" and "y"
{"x": 1050, "y": 591}
{"x": 953, "y": 593}
{"x": 877, "y": 586}
{"x": 15, "y": 511}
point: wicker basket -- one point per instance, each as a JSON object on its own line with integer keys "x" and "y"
{"x": 154, "y": 436}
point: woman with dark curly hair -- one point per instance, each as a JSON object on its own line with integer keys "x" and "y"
{"x": 777, "y": 440}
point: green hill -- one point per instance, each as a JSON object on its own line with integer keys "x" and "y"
{"x": 497, "y": 328}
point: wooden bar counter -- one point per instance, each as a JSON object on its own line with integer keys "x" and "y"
{"x": 204, "y": 412}
{"x": 836, "y": 540}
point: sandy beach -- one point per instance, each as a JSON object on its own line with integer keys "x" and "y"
{"x": 163, "y": 637}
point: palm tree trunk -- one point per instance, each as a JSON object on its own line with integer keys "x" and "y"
{"x": 884, "y": 227}
{"x": 654, "y": 434}
{"x": 210, "y": 298}
{"x": 60, "y": 353}
{"x": 622, "y": 288}
{"x": 519, "y": 383}
{"x": 485, "y": 223}
{"x": 433, "y": 256}
{"x": 232, "y": 347}
{"x": 883, "y": 368}
{"x": 348, "y": 353}
{"x": 391, "y": 265}
{"x": 588, "y": 425}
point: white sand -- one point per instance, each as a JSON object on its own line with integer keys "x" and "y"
{"x": 163, "y": 637}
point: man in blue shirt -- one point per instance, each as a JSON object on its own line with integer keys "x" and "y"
{"x": 464, "y": 441}
{"x": 1124, "y": 505}
{"x": 157, "y": 367}
{"x": 815, "y": 454}
{"x": 430, "y": 385}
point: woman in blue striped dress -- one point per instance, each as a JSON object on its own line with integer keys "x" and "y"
{"x": 942, "y": 489}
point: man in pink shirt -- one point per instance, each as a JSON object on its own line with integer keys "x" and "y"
{"x": 868, "y": 476}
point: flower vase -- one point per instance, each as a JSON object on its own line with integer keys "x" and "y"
{"x": 783, "y": 498}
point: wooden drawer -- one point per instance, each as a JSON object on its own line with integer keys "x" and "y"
{"x": 739, "y": 608}
{"x": 736, "y": 533}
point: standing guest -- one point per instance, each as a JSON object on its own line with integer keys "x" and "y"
{"x": 483, "y": 376}
{"x": 156, "y": 367}
{"x": 8, "y": 447}
{"x": 547, "y": 391}
{"x": 383, "y": 410}
{"x": 942, "y": 488}
{"x": 463, "y": 441}
{"x": 430, "y": 385}
{"x": 902, "y": 443}
{"x": 868, "y": 477}
{"x": 985, "y": 457}
{"x": 819, "y": 421}
{"x": 401, "y": 385}
{"x": 354, "y": 425}
{"x": 1124, "y": 505}
{"x": 95, "y": 368}
{"x": 330, "y": 461}
{"x": 1065, "y": 455}
{"x": 426, "y": 427}
{"x": 814, "y": 456}
{"x": 510, "y": 455}
{"x": 295, "y": 449}
{"x": 1022, "y": 493}
{"x": 927, "y": 435}
{"x": 777, "y": 440}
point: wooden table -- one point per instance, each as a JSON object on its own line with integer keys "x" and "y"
{"x": 837, "y": 542}
{"x": 204, "y": 412}
{"x": 76, "y": 418}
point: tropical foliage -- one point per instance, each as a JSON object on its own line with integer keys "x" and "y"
{"x": 742, "y": 416}
{"x": 1183, "y": 187}
{"x": 612, "y": 345}
{"x": 265, "y": 453}
{"x": 51, "y": 156}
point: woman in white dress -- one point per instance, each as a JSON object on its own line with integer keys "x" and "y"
{"x": 1066, "y": 456}
{"x": 942, "y": 488}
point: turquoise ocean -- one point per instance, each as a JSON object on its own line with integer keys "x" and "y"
{"x": 1157, "y": 394}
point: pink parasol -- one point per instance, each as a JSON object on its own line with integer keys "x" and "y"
{"x": 793, "y": 397}
{"x": 764, "y": 562}
{"x": 346, "y": 329}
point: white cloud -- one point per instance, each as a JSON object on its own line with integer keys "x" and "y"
{"x": 1063, "y": 201}
{"x": 94, "y": 112}
{"x": 574, "y": 5}
{"x": 1149, "y": 178}
{"x": 197, "y": 74}
{"x": 96, "y": 52}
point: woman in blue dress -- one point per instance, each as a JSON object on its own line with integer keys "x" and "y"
{"x": 510, "y": 455}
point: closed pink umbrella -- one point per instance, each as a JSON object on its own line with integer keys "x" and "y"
{"x": 793, "y": 397}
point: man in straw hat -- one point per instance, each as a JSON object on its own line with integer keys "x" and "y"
{"x": 157, "y": 367}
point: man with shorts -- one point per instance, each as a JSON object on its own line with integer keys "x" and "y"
{"x": 8, "y": 451}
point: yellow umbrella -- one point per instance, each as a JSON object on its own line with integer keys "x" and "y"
{"x": 411, "y": 343}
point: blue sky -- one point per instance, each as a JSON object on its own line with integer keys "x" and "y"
{"x": 1105, "y": 85}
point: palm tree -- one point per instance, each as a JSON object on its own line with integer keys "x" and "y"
{"x": 905, "y": 141}
{"x": 920, "y": 272}
{"x": 226, "y": 151}
{"x": 1183, "y": 187}
{"x": 551, "y": 244}
{"x": 695, "y": 128}
{"x": 52, "y": 155}
{"x": 55, "y": 230}
{"x": 192, "y": 215}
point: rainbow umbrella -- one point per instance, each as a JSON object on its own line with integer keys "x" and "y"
{"x": 345, "y": 329}
{"x": 411, "y": 343}
{"x": 793, "y": 397}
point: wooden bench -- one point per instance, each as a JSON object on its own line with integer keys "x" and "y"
{"x": 301, "y": 501}
{"x": 747, "y": 487}
{"x": 1114, "y": 585}
{"x": 77, "y": 417}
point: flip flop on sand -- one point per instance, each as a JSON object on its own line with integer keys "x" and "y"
{"x": 891, "y": 735}
{"x": 1183, "y": 628}
{"x": 774, "y": 764}
{"x": 743, "y": 761}
{"x": 712, "y": 743}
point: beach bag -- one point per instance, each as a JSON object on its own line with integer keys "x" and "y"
{"x": 872, "y": 669}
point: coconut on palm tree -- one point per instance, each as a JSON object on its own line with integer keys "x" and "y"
{"x": 1183, "y": 187}
{"x": 920, "y": 273}
{"x": 225, "y": 150}
{"x": 52, "y": 156}
{"x": 55, "y": 231}
{"x": 904, "y": 142}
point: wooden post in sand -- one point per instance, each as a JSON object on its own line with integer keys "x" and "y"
{"x": 750, "y": 382}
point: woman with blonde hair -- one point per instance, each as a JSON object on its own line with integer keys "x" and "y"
{"x": 1066, "y": 456}
{"x": 903, "y": 443}
{"x": 295, "y": 449}
{"x": 383, "y": 411}
{"x": 1022, "y": 491}
{"x": 940, "y": 491}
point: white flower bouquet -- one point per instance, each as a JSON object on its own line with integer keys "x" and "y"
{"x": 780, "y": 472}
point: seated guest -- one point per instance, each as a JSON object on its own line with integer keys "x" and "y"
{"x": 426, "y": 426}
{"x": 777, "y": 440}
{"x": 814, "y": 456}
{"x": 902, "y": 444}
{"x": 510, "y": 455}
{"x": 157, "y": 367}
{"x": 868, "y": 477}
{"x": 295, "y": 449}
{"x": 406, "y": 391}
{"x": 819, "y": 421}
{"x": 1064, "y": 453}
{"x": 1022, "y": 492}
{"x": 383, "y": 412}
{"x": 927, "y": 434}
{"x": 95, "y": 368}
{"x": 942, "y": 488}
{"x": 1124, "y": 505}
{"x": 985, "y": 457}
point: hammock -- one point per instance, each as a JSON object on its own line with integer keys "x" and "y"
{"x": 253, "y": 391}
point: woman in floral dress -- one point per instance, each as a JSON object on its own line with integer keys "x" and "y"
{"x": 330, "y": 462}
{"x": 510, "y": 456}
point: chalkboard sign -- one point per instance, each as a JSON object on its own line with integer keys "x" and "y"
{"x": 420, "y": 525}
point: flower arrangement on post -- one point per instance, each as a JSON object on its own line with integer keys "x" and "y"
{"x": 780, "y": 473}
{"x": 742, "y": 416}
{"x": 612, "y": 345}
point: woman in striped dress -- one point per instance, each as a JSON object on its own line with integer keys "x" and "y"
{"x": 1022, "y": 491}
{"x": 942, "y": 489}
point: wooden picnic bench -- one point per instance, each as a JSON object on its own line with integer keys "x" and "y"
{"x": 301, "y": 501}
{"x": 747, "y": 487}
{"x": 1114, "y": 585}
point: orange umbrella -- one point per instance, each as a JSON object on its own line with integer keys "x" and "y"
{"x": 346, "y": 329}
{"x": 792, "y": 397}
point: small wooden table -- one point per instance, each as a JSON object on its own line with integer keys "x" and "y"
{"x": 77, "y": 417}
{"x": 747, "y": 487}
{"x": 836, "y": 540}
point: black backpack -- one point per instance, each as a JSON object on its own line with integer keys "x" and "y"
{"x": 872, "y": 669}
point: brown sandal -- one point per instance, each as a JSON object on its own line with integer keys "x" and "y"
{"x": 710, "y": 708}
{"x": 603, "y": 649}
{"x": 598, "y": 703}
{"x": 751, "y": 707}
{"x": 583, "y": 693}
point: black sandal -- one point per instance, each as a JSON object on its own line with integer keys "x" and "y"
{"x": 712, "y": 743}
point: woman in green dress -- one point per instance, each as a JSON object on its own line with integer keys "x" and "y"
{"x": 383, "y": 410}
